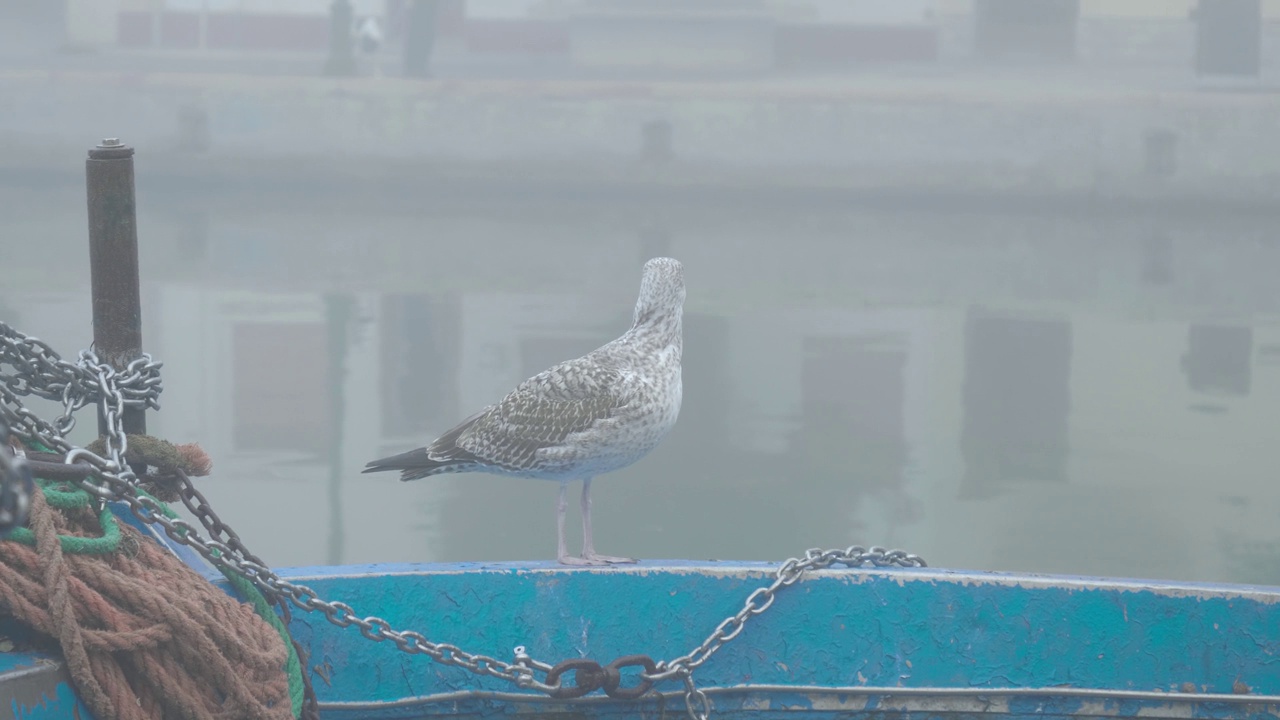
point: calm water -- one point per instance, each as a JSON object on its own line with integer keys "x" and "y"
{"x": 1047, "y": 393}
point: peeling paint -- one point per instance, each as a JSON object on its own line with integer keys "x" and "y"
{"x": 907, "y": 633}
{"x": 883, "y": 627}
{"x": 36, "y": 686}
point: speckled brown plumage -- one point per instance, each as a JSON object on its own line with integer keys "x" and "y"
{"x": 580, "y": 418}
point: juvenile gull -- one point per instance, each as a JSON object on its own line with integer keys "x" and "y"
{"x": 579, "y": 419}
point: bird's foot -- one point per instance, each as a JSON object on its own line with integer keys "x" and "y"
{"x": 610, "y": 559}
{"x": 594, "y": 559}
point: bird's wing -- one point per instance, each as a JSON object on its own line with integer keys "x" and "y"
{"x": 543, "y": 412}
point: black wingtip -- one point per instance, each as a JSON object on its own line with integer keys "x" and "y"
{"x": 411, "y": 465}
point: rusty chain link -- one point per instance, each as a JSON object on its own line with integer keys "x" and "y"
{"x": 39, "y": 371}
{"x": 761, "y": 599}
{"x": 88, "y": 381}
{"x": 589, "y": 675}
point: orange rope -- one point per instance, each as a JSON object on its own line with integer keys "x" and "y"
{"x": 144, "y": 635}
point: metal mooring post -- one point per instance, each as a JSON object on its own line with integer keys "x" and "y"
{"x": 113, "y": 264}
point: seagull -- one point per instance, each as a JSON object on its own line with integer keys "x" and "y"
{"x": 579, "y": 419}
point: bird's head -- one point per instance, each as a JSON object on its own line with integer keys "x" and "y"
{"x": 661, "y": 291}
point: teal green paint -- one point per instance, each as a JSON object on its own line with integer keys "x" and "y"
{"x": 910, "y": 628}
{"x": 34, "y": 686}
{"x": 62, "y": 704}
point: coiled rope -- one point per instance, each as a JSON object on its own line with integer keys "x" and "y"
{"x": 144, "y": 635}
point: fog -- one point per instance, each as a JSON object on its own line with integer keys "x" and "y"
{"x": 992, "y": 282}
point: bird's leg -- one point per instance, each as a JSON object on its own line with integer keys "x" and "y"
{"x": 588, "y": 545}
{"x": 562, "y": 506}
{"x": 562, "y": 551}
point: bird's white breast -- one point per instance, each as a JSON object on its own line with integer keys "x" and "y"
{"x": 654, "y": 391}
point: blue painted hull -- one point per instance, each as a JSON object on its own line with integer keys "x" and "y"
{"x": 841, "y": 643}
{"x": 976, "y": 634}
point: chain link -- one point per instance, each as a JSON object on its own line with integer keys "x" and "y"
{"x": 42, "y": 373}
{"x": 761, "y": 599}
{"x": 39, "y": 371}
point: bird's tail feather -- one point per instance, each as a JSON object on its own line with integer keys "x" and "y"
{"x": 442, "y": 456}
{"x": 415, "y": 464}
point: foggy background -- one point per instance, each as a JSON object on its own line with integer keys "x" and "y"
{"x": 994, "y": 281}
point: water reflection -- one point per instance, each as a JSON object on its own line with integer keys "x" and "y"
{"x": 1010, "y": 392}
{"x": 418, "y": 388}
{"x": 1157, "y": 259}
{"x": 1218, "y": 359}
{"x": 1017, "y": 397}
{"x": 852, "y": 434}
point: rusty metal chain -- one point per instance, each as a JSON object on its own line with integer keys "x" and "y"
{"x": 697, "y": 704}
{"x": 41, "y": 372}
{"x": 589, "y": 675}
{"x": 762, "y": 598}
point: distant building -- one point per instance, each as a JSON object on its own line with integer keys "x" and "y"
{"x": 1214, "y": 37}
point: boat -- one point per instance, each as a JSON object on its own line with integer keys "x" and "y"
{"x": 837, "y": 642}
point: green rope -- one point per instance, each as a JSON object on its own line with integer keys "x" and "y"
{"x": 293, "y": 665}
{"x": 66, "y": 496}
{"x": 249, "y": 592}
{"x": 60, "y": 495}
